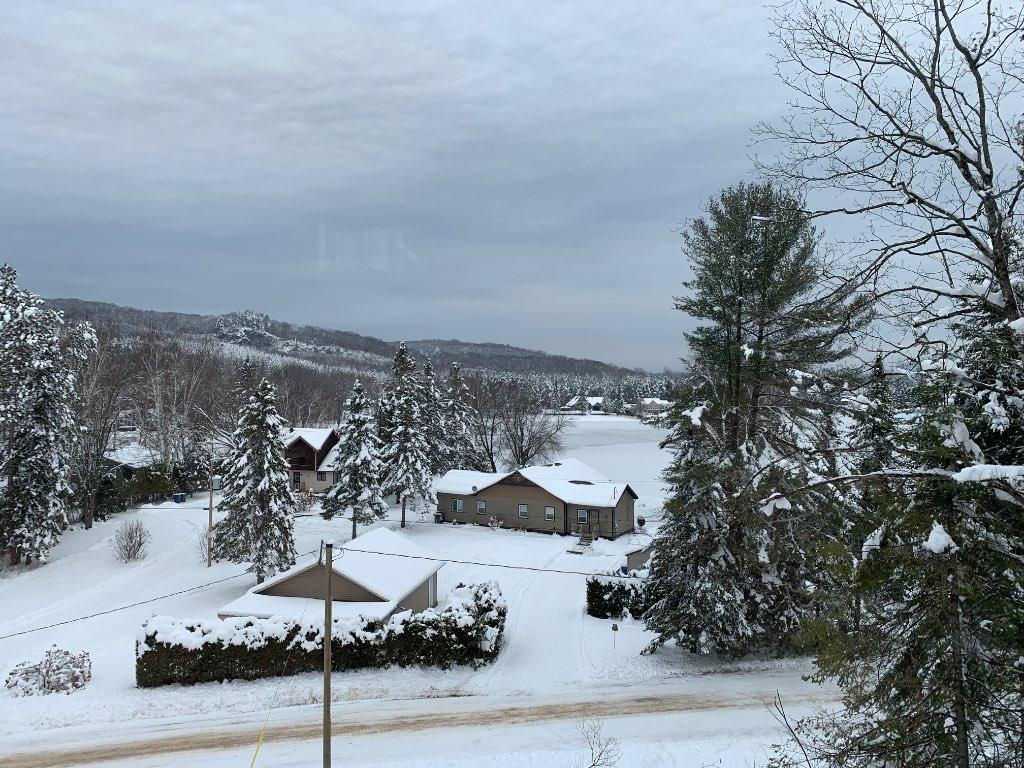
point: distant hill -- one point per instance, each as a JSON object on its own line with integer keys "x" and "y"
{"x": 325, "y": 346}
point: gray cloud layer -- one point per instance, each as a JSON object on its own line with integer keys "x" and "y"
{"x": 486, "y": 171}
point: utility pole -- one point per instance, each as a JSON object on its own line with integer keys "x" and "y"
{"x": 209, "y": 527}
{"x": 328, "y": 631}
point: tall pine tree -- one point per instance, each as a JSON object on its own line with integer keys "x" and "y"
{"x": 400, "y": 426}
{"x": 38, "y": 360}
{"x": 729, "y": 573}
{"x": 358, "y": 468}
{"x": 258, "y": 499}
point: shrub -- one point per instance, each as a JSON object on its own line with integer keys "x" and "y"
{"x": 130, "y": 540}
{"x": 616, "y": 598}
{"x": 468, "y": 630}
{"x": 60, "y": 671}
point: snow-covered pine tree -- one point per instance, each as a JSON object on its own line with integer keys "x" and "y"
{"x": 258, "y": 499}
{"x": 582, "y": 402}
{"x": 465, "y": 453}
{"x": 405, "y": 450}
{"x": 434, "y": 421}
{"x": 402, "y": 380}
{"x": 358, "y": 468}
{"x": 615, "y": 402}
{"x": 930, "y": 671}
{"x": 38, "y": 359}
{"x": 729, "y": 573}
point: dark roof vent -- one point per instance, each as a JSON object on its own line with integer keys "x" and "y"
{"x": 581, "y": 482}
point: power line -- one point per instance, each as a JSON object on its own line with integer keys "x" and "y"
{"x": 487, "y": 565}
{"x": 508, "y": 566}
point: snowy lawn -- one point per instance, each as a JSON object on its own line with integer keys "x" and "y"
{"x": 551, "y": 646}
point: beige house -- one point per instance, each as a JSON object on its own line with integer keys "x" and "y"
{"x": 373, "y": 576}
{"x": 311, "y": 453}
{"x": 567, "y": 497}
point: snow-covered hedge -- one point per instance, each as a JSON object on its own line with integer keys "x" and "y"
{"x": 615, "y": 598}
{"x": 60, "y": 671}
{"x": 466, "y": 630}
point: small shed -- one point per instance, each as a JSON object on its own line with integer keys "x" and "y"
{"x": 637, "y": 559}
{"x": 374, "y": 575}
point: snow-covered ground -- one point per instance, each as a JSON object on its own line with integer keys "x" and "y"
{"x": 551, "y": 647}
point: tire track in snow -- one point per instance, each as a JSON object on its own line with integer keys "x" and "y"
{"x": 467, "y": 712}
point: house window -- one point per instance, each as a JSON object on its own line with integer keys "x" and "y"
{"x": 457, "y": 505}
{"x": 581, "y": 515}
{"x": 321, "y": 477}
{"x": 524, "y": 510}
{"x": 549, "y": 513}
{"x": 481, "y": 507}
{"x": 336, "y": 478}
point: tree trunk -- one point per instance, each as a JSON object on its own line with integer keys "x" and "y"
{"x": 353, "y": 523}
{"x": 90, "y": 511}
{"x": 403, "y": 513}
{"x": 963, "y": 757}
{"x": 15, "y": 555}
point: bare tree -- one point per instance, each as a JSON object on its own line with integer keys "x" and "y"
{"x": 604, "y": 750}
{"x": 488, "y": 395}
{"x": 106, "y": 390}
{"x": 904, "y": 112}
{"x": 528, "y": 432}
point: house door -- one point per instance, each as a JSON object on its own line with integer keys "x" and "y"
{"x": 594, "y": 520}
{"x": 296, "y": 479}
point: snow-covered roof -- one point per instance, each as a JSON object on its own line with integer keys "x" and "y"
{"x": 464, "y": 481}
{"x": 315, "y": 436}
{"x": 327, "y": 465}
{"x": 133, "y": 454}
{"x": 592, "y": 400}
{"x": 385, "y": 562}
{"x": 570, "y": 480}
{"x": 301, "y": 608}
{"x": 654, "y": 401}
{"x": 564, "y": 469}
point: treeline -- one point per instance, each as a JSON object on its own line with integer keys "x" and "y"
{"x": 167, "y": 407}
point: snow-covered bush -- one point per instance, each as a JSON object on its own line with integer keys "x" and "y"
{"x": 466, "y": 630}
{"x": 130, "y": 541}
{"x": 60, "y": 671}
{"x": 611, "y": 597}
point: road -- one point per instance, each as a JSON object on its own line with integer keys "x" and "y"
{"x": 175, "y": 741}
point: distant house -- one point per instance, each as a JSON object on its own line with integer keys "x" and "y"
{"x": 596, "y": 403}
{"x": 654, "y": 405}
{"x": 128, "y": 457}
{"x": 310, "y": 457}
{"x": 567, "y": 497}
{"x": 373, "y": 576}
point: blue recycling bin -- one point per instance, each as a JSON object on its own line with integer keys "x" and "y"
{"x": 178, "y": 498}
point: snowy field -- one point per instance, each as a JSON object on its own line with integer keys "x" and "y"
{"x": 552, "y": 649}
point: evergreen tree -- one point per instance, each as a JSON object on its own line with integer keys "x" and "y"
{"x": 38, "y": 358}
{"x": 464, "y": 453}
{"x": 930, "y": 671}
{"x": 434, "y": 415}
{"x": 615, "y": 402}
{"x": 730, "y": 573}
{"x": 582, "y": 402}
{"x": 258, "y": 499}
{"x": 405, "y": 450}
{"x": 358, "y": 468}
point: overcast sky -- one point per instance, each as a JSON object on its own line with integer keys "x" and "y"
{"x": 490, "y": 171}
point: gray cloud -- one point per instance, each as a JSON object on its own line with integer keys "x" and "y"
{"x": 506, "y": 172}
